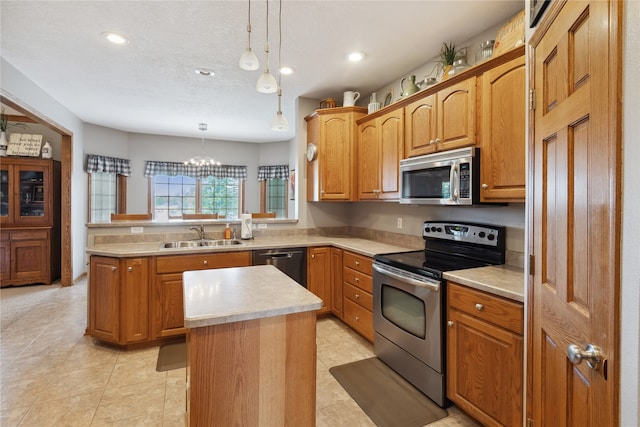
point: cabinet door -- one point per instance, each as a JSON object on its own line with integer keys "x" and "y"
{"x": 336, "y": 282}
{"x": 168, "y": 306}
{"x": 457, "y": 115}
{"x": 319, "y": 275}
{"x": 30, "y": 256}
{"x": 368, "y": 161}
{"x": 391, "y": 151}
{"x": 135, "y": 301}
{"x": 484, "y": 370}
{"x": 32, "y": 195}
{"x": 5, "y": 257}
{"x": 503, "y": 133}
{"x": 104, "y": 299}
{"x": 335, "y": 157}
{"x": 420, "y": 127}
{"x": 6, "y": 193}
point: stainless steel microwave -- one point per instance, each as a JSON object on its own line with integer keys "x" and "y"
{"x": 446, "y": 178}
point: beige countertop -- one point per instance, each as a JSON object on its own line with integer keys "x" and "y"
{"x": 226, "y": 295}
{"x": 362, "y": 246}
{"x": 502, "y": 280}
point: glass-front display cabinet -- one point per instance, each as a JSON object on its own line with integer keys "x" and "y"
{"x": 25, "y": 192}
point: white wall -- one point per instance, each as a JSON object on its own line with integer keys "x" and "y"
{"x": 20, "y": 89}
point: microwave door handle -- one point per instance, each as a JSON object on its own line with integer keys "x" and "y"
{"x": 456, "y": 189}
{"x": 453, "y": 193}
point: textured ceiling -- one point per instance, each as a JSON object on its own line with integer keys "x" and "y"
{"x": 150, "y": 85}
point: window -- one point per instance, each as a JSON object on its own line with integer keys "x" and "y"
{"x": 107, "y": 186}
{"x": 221, "y": 196}
{"x": 274, "y": 182}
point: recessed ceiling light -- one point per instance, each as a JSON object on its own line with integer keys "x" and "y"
{"x": 205, "y": 72}
{"x": 356, "y": 56}
{"x": 115, "y": 38}
{"x": 286, "y": 70}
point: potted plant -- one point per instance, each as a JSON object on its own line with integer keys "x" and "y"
{"x": 4, "y": 125}
{"x": 448, "y": 55}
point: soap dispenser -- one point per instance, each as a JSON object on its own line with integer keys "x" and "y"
{"x": 227, "y": 232}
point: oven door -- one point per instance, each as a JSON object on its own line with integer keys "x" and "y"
{"x": 407, "y": 311}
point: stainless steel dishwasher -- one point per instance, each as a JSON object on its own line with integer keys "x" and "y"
{"x": 291, "y": 261}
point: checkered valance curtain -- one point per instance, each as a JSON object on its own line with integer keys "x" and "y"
{"x": 154, "y": 168}
{"x": 273, "y": 172}
{"x": 96, "y": 163}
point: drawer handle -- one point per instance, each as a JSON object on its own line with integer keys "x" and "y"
{"x": 206, "y": 262}
{"x": 450, "y": 323}
{"x": 357, "y": 280}
{"x": 357, "y": 262}
{"x": 479, "y": 307}
{"x": 357, "y": 296}
{"x": 130, "y": 269}
{"x": 357, "y": 319}
{"x": 114, "y": 268}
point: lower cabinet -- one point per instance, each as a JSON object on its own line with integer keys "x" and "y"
{"x": 167, "y": 298}
{"x": 358, "y": 293}
{"x": 337, "y": 302}
{"x": 485, "y": 355}
{"x": 119, "y": 299}
{"x": 25, "y": 257}
{"x": 319, "y": 275}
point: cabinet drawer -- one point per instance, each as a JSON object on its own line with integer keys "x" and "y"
{"x": 358, "y": 296}
{"x": 355, "y": 278}
{"x": 30, "y": 235}
{"x": 359, "y": 318}
{"x": 181, "y": 263}
{"x": 358, "y": 262}
{"x": 499, "y": 311}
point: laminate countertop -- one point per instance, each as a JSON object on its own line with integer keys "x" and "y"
{"x": 501, "y": 280}
{"x": 226, "y": 295}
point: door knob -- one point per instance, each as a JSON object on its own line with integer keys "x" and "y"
{"x": 592, "y": 354}
{"x": 485, "y": 186}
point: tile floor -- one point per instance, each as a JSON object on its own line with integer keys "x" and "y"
{"x": 53, "y": 375}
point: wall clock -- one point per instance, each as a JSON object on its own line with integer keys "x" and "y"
{"x": 312, "y": 152}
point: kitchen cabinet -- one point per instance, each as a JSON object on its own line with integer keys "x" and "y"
{"x": 502, "y": 160}
{"x": 331, "y": 138}
{"x": 30, "y": 220}
{"x": 380, "y": 148}
{"x": 319, "y": 275}
{"x": 358, "y": 293}
{"x": 166, "y": 296}
{"x": 119, "y": 299}
{"x": 442, "y": 121}
{"x": 336, "y": 283}
{"x": 485, "y": 355}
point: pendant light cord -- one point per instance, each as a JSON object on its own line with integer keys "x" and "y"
{"x": 279, "y": 46}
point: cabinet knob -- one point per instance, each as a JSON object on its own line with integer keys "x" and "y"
{"x": 357, "y": 262}
{"x": 114, "y": 268}
{"x": 479, "y": 307}
{"x": 130, "y": 268}
{"x": 485, "y": 186}
{"x": 432, "y": 142}
{"x": 313, "y": 255}
{"x": 357, "y": 296}
{"x": 206, "y": 262}
{"x": 450, "y": 323}
{"x": 437, "y": 140}
{"x": 357, "y": 279}
{"x": 357, "y": 319}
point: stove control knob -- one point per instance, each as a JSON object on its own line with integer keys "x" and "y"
{"x": 491, "y": 237}
{"x": 427, "y": 230}
{"x": 439, "y": 230}
{"x": 481, "y": 234}
{"x": 433, "y": 229}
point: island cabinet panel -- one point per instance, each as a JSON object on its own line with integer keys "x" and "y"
{"x": 358, "y": 293}
{"x": 254, "y": 372}
{"x": 319, "y": 275}
{"x": 485, "y": 355}
{"x": 119, "y": 300}
{"x": 337, "y": 302}
{"x": 167, "y": 298}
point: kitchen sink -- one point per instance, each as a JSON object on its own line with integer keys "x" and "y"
{"x": 191, "y": 244}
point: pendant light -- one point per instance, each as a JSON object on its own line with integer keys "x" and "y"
{"x": 249, "y": 60}
{"x": 202, "y": 160}
{"x": 267, "y": 83}
{"x": 279, "y": 122}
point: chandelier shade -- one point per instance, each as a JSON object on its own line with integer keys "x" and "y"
{"x": 202, "y": 160}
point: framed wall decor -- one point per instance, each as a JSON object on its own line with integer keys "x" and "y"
{"x": 292, "y": 184}
{"x": 536, "y": 11}
{"x": 388, "y": 98}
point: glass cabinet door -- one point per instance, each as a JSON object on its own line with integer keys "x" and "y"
{"x": 31, "y": 193}
{"x": 5, "y": 190}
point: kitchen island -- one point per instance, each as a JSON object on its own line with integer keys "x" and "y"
{"x": 251, "y": 348}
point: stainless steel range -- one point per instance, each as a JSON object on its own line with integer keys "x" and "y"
{"x": 409, "y": 298}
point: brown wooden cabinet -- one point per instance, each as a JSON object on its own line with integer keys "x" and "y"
{"x": 30, "y": 220}
{"x": 166, "y": 296}
{"x": 319, "y": 275}
{"x": 442, "y": 121}
{"x": 380, "y": 148}
{"x": 119, "y": 299}
{"x": 485, "y": 355}
{"x": 503, "y": 147}
{"x": 358, "y": 293}
{"x": 337, "y": 302}
{"x": 331, "y": 175}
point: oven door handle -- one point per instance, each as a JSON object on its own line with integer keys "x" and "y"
{"x": 423, "y": 283}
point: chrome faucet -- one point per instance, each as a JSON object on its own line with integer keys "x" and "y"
{"x": 200, "y": 230}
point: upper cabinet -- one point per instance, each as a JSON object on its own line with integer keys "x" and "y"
{"x": 331, "y": 137}
{"x": 502, "y": 153}
{"x": 442, "y": 121}
{"x": 380, "y": 148}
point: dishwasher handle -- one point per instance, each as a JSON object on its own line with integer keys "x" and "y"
{"x": 289, "y": 254}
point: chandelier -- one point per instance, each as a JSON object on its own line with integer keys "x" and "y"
{"x": 202, "y": 160}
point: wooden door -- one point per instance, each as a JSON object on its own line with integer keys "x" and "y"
{"x": 457, "y": 116}
{"x": 104, "y": 298}
{"x": 368, "y": 161}
{"x": 420, "y": 126}
{"x": 5, "y": 256}
{"x": 168, "y": 306}
{"x": 135, "y": 300}
{"x": 319, "y": 275}
{"x": 336, "y": 282}
{"x": 335, "y": 157}
{"x": 391, "y": 151}
{"x": 575, "y": 229}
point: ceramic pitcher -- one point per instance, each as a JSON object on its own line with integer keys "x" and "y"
{"x": 410, "y": 88}
{"x": 350, "y": 98}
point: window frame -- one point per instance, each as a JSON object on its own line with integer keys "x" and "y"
{"x": 264, "y": 196}
{"x": 121, "y": 195}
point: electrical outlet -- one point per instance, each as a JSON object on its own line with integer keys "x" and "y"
{"x": 262, "y": 226}
{"x": 137, "y": 230}
{"x": 399, "y": 222}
